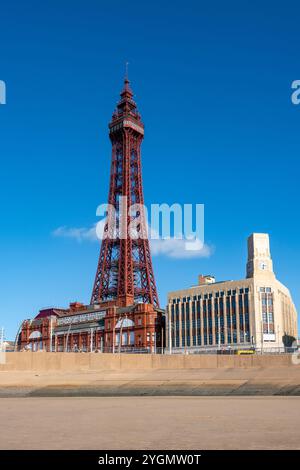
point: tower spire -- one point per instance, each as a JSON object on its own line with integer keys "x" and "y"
{"x": 126, "y": 71}
{"x": 126, "y": 93}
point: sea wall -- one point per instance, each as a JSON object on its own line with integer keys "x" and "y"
{"x": 43, "y": 361}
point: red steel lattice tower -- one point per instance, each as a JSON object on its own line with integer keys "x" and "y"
{"x": 125, "y": 272}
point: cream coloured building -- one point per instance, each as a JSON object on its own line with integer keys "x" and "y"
{"x": 257, "y": 311}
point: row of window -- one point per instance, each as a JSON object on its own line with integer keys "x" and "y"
{"x": 200, "y": 318}
{"x": 211, "y": 295}
{"x": 127, "y": 338}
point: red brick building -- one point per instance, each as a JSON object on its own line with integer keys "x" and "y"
{"x": 94, "y": 328}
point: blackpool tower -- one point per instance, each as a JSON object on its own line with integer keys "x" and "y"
{"x": 125, "y": 273}
{"x": 124, "y": 313}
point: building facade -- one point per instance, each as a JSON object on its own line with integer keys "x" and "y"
{"x": 255, "y": 312}
{"x": 90, "y": 328}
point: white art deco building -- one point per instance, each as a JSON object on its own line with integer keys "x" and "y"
{"x": 256, "y": 312}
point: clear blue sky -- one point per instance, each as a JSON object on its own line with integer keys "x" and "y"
{"x": 213, "y": 83}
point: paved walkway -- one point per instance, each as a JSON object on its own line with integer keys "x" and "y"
{"x": 187, "y": 382}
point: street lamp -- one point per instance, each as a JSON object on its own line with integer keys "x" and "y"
{"x": 170, "y": 332}
{"x": 113, "y": 339}
{"x": 219, "y": 332}
{"x": 51, "y": 333}
{"x": 121, "y": 331}
{"x": 68, "y": 333}
{"x": 91, "y": 340}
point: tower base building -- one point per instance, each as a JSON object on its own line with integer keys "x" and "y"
{"x": 253, "y": 313}
{"x": 104, "y": 327}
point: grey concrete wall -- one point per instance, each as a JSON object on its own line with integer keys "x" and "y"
{"x": 90, "y": 361}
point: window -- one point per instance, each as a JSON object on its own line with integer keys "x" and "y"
{"x": 124, "y": 339}
{"x": 240, "y": 303}
{"x": 267, "y": 311}
{"x": 246, "y": 303}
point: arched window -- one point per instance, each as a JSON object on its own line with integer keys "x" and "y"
{"x": 126, "y": 322}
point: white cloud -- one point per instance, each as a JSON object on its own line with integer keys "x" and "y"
{"x": 79, "y": 234}
{"x": 171, "y": 247}
{"x": 178, "y": 248}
